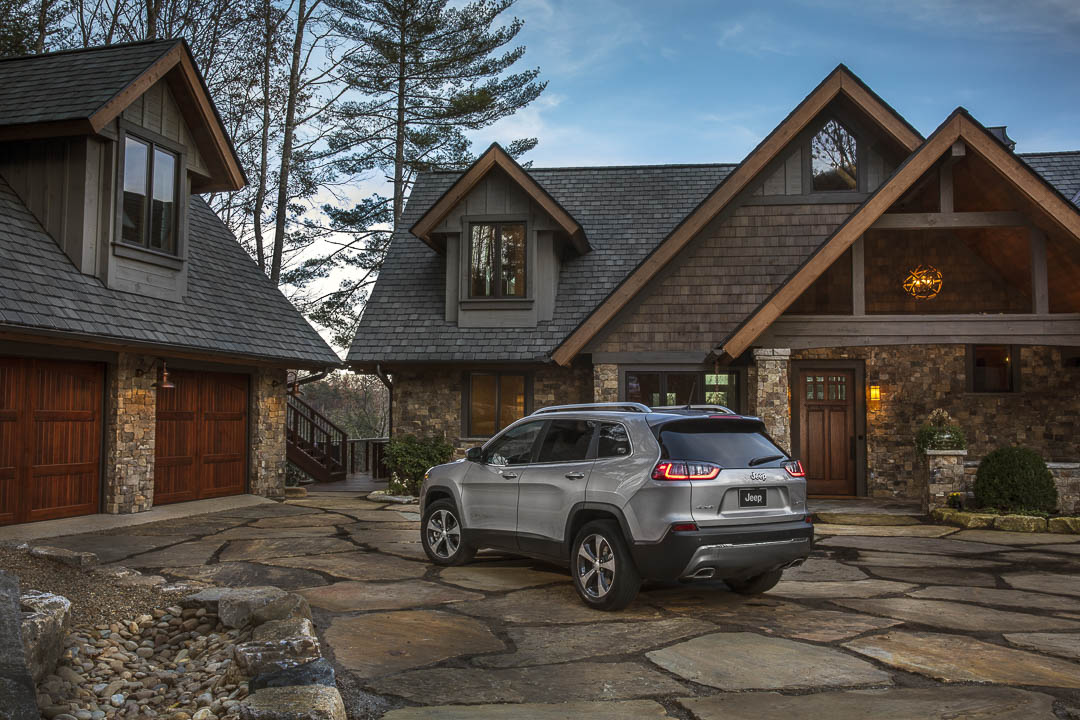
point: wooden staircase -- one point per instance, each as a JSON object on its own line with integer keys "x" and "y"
{"x": 313, "y": 443}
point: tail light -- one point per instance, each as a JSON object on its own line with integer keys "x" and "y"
{"x": 795, "y": 469}
{"x": 683, "y": 470}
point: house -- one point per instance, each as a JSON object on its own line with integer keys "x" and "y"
{"x": 143, "y": 354}
{"x": 842, "y": 281}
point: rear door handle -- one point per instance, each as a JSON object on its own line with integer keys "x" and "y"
{"x": 575, "y": 476}
{"x": 510, "y": 475}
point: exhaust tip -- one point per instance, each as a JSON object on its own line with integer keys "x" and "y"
{"x": 794, "y": 563}
{"x": 704, "y": 573}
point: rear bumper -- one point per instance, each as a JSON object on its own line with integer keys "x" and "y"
{"x": 731, "y": 552}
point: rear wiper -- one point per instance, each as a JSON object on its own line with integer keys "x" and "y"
{"x": 767, "y": 458}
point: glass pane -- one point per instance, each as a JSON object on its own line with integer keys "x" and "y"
{"x": 722, "y": 389}
{"x": 136, "y": 155}
{"x": 482, "y": 261}
{"x": 513, "y": 260}
{"x": 566, "y": 441}
{"x": 482, "y": 405}
{"x": 515, "y": 446}
{"x": 643, "y": 388}
{"x": 613, "y": 441}
{"x": 833, "y": 154}
{"x": 729, "y": 444}
{"x": 993, "y": 369}
{"x": 163, "y": 211}
{"x": 683, "y": 388}
{"x": 511, "y": 399}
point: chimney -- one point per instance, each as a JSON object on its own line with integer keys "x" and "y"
{"x": 999, "y": 131}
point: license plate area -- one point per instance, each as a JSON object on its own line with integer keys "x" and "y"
{"x": 753, "y": 497}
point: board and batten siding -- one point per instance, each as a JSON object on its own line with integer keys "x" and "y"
{"x": 157, "y": 111}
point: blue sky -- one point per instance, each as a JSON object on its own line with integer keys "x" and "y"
{"x": 685, "y": 81}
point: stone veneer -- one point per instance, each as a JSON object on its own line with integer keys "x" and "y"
{"x": 945, "y": 475}
{"x": 916, "y": 379}
{"x": 428, "y": 401}
{"x": 130, "y": 420}
{"x": 605, "y": 383}
{"x": 769, "y": 394}
{"x": 266, "y": 468}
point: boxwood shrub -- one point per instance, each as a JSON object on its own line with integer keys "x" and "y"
{"x": 409, "y": 457}
{"x": 1015, "y": 479}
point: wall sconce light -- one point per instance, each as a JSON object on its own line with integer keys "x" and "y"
{"x": 163, "y": 382}
{"x": 875, "y": 397}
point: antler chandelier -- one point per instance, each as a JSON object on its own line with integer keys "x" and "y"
{"x": 923, "y": 283}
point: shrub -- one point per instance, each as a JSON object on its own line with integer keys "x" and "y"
{"x": 939, "y": 433}
{"x": 408, "y": 458}
{"x": 1015, "y": 478}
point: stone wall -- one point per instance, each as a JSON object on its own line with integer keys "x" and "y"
{"x": 916, "y": 379}
{"x": 605, "y": 383}
{"x": 945, "y": 475}
{"x": 130, "y": 421}
{"x": 769, "y": 392}
{"x": 266, "y": 476}
{"x": 428, "y": 401}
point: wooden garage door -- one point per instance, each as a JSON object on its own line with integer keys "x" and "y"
{"x": 50, "y": 439}
{"x": 201, "y": 443}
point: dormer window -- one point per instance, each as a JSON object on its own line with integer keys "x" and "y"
{"x": 150, "y": 203}
{"x": 497, "y": 253}
{"x": 833, "y": 159}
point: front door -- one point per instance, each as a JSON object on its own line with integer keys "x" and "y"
{"x": 827, "y": 430}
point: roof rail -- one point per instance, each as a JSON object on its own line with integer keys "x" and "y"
{"x": 706, "y": 408}
{"x": 633, "y": 406}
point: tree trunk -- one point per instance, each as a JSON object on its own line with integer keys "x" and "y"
{"x": 264, "y": 139}
{"x": 43, "y": 26}
{"x": 399, "y": 131}
{"x": 151, "y": 19}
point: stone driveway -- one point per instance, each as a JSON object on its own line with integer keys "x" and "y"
{"x": 903, "y": 621}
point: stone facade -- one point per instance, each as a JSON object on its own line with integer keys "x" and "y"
{"x": 944, "y": 475}
{"x": 770, "y": 395}
{"x": 130, "y": 420}
{"x": 266, "y": 474}
{"x": 605, "y": 383}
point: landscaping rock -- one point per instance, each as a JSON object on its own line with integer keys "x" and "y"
{"x": 1064, "y": 525}
{"x": 234, "y": 605}
{"x": 1020, "y": 523}
{"x": 866, "y": 519}
{"x": 278, "y": 645}
{"x": 240, "y": 574}
{"x": 73, "y": 558}
{"x": 17, "y": 697}
{"x": 316, "y": 672}
{"x": 45, "y": 622}
{"x": 292, "y": 605}
{"x": 293, "y": 492}
{"x": 301, "y": 702}
{"x": 974, "y": 521}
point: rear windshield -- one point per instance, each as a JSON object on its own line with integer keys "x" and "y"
{"x": 728, "y": 443}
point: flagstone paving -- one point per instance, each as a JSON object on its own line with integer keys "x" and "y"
{"x": 849, "y": 632}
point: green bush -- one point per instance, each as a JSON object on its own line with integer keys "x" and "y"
{"x": 408, "y": 458}
{"x": 1015, "y": 478}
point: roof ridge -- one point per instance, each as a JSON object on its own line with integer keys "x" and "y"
{"x": 1050, "y": 152}
{"x": 95, "y": 48}
{"x": 604, "y": 167}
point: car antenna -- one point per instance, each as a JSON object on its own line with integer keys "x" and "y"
{"x": 690, "y": 401}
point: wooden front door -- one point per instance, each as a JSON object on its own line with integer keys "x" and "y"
{"x": 827, "y": 430}
{"x": 50, "y": 439}
{"x": 201, "y": 444}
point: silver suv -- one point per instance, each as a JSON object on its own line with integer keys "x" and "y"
{"x": 621, "y": 493}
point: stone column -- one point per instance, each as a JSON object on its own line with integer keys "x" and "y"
{"x": 770, "y": 392}
{"x": 267, "y": 432}
{"x": 130, "y": 424}
{"x": 605, "y": 383}
{"x": 945, "y": 474}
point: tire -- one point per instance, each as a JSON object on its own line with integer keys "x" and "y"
{"x": 444, "y": 548}
{"x": 612, "y": 564}
{"x": 757, "y": 584}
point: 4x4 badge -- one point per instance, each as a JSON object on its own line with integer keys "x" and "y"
{"x": 758, "y": 476}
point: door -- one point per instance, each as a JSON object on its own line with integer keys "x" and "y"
{"x": 827, "y": 430}
{"x": 554, "y": 484}
{"x": 201, "y": 437}
{"x": 489, "y": 491}
{"x": 50, "y": 439}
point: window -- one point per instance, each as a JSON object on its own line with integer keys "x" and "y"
{"x": 515, "y": 447}
{"x": 497, "y": 260}
{"x": 728, "y": 445}
{"x": 612, "y": 441}
{"x": 567, "y": 441}
{"x": 833, "y": 154}
{"x": 149, "y": 209}
{"x": 992, "y": 368}
{"x": 655, "y": 388}
{"x": 494, "y": 401}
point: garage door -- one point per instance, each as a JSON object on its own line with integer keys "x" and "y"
{"x": 201, "y": 443}
{"x": 50, "y": 439}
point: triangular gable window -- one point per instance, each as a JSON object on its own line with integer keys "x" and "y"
{"x": 833, "y": 158}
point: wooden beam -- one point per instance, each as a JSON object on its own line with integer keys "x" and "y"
{"x": 858, "y": 277}
{"x": 945, "y": 187}
{"x": 888, "y": 120}
{"x": 1040, "y": 293}
{"x": 930, "y": 221}
{"x": 34, "y": 131}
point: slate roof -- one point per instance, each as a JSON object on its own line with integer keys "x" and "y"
{"x": 230, "y": 308}
{"x": 71, "y": 85}
{"x": 624, "y": 211}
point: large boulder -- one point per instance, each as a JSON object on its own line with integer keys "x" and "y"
{"x": 74, "y": 558}
{"x": 290, "y": 606}
{"x": 234, "y": 606}
{"x": 278, "y": 645}
{"x": 300, "y": 702}
{"x": 17, "y": 698}
{"x": 1020, "y": 523}
{"x": 1064, "y": 525}
{"x": 316, "y": 672}
{"x": 45, "y": 622}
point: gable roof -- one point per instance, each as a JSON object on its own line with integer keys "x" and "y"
{"x": 231, "y": 308}
{"x": 960, "y": 125}
{"x": 623, "y": 210}
{"x": 79, "y": 92}
{"x": 496, "y": 157}
{"x": 1060, "y": 169}
{"x": 840, "y": 81}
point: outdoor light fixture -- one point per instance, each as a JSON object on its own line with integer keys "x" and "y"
{"x": 163, "y": 383}
{"x": 875, "y": 397}
{"x": 923, "y": 283}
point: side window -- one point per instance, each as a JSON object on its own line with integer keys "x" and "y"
{"x": 613, "y": 441}
{"x": 514, "y": 447}
{"x": 567, "y": 441}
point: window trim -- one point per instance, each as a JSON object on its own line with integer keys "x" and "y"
{"x": 498, "y": 296}
{"x": 466, "y": 400}
{"x": 144, "y": 252}
{"x": 1015, "y": 374}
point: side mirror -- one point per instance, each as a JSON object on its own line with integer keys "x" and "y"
{"x": 474, "y": 453}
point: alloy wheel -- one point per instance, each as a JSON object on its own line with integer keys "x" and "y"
{"x": 443, "y": 534}
{"x": 596, "y": 566}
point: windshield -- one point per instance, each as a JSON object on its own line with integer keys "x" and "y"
{"x": 727, "y": 443}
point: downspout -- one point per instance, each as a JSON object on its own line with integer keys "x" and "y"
{"x": 390, "y": 405}
{"x": 314, "y": 377}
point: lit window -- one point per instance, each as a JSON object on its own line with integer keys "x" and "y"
{"x": 497, "y": 260}
{"x": 494, "y": 401}
{"x": 682, "y": 388}
{"x": 150, "y": 201}
{"x": 992, "y": 369}
{"x": 833, "y": 155}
